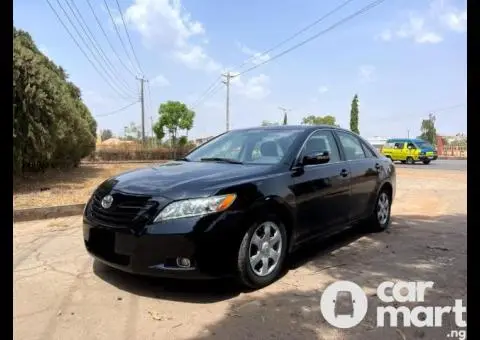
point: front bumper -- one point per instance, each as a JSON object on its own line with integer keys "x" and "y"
{"x": 428, "y": 157}
{"x": 210, "y": 243}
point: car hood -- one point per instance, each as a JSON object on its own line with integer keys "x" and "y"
{"x": 179, "y": 180}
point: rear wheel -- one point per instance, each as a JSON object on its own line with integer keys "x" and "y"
{"x": 262, "y": 252}
{"x": 380, "y": 218}
{"x": 403, "y": 162}
{"x": 410, "y": 160}
{"x": 426, "y": 161}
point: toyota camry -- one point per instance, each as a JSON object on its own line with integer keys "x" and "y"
{"x": 239, "y": 204}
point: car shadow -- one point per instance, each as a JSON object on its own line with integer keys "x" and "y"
{"x": 214, "y": 290}
{"x": 325, "y": 255}
{"x": 415, "y": 248}
{"x": 192, "y": 291}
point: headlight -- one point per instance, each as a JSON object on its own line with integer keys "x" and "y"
{"x": 195, "y": 207}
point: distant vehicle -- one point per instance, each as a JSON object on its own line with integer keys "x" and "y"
{"x": 409, "y": 151}
{"x": 344, "y": 303}
{"x": 239, "y": 204}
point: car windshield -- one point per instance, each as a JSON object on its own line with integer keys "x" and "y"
{"x": 268, "y": 146}
{"x": 423, "y": 144}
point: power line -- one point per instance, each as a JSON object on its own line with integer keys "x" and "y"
{"x": 108, "y": 39}
{"x": 118, "y": 34}
{"x": 293, "y": 36}
{"x": 322, "y": 18}
{"x": 120, "y": 91}
{"x": 330, "y": 28}
{"x": 214, "y": 90}
{"x": 216, "y": 82}
{"x": 91, "y": 37}
{"x": 80, "y": 47}
{"x": 117, "y": 110}
{"x": 128, "y": 36}
{"x": 433, "y": 111}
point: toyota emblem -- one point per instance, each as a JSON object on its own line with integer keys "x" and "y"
{"x": 107, "y": 202}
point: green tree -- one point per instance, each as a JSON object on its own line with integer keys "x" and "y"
{"x": 428, "y": 130}
{"x": 319, "y": 120}
{"x": 133, "y": 131}
{"x": 51, "y": 124}
{"x": 106, "y": 134}
{"x": 285, "y": 119}
{"x": 173, "y": 116}
{"x": 354, "y": 115}
{"x": 158, "y": 131}
{"x": 182, "y": 141}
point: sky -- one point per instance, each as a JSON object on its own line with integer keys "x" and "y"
{"x": 404, "y": 59}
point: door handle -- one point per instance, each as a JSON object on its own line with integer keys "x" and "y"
{"x": 344, "y": 173}
{"x": 377, "y": 166}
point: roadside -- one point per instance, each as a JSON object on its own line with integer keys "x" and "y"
{"x": 73, "y": 187}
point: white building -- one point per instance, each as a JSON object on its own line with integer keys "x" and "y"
{"x": 377, "y": 141}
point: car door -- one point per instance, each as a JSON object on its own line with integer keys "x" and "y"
{"x": 322, "y": 191}
{"x": 398, "y": 152}
{"x": 364, "y": 173}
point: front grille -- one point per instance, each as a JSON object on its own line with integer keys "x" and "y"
{"x": 126, "y": 210}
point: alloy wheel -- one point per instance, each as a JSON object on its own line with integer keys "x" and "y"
{"x": 383, "y": 208}
{"x": 265, "y": 248}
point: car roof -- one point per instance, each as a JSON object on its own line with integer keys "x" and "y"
{"x": 392, "y": 140}
{"x": 292, "y": 127}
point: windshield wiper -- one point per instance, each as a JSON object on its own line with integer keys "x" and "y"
{"x": 185, "y": 159}
{"x": 219, "y": 159}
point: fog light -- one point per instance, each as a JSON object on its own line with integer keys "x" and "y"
{"x": 183, "y": 262}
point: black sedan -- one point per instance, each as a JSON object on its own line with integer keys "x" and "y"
{"x": 239, "y": 204}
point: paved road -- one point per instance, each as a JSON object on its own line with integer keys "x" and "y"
{"x": 439, "y": 164}
{"x": 61, "y": 293}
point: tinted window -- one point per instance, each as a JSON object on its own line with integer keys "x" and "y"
{"x": 351, "y": 146}
{"x": 368, "y": 151}
{"x": 320, "y": 141}
{"x": 262, "y": 146}
{"x": 423, "y": 144}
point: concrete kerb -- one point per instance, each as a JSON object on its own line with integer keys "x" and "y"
{"x": 30, "y": 214}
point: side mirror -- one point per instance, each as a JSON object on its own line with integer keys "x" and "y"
{"x": 316, "y": 158}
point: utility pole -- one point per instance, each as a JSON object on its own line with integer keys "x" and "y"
{"x": 408, "y": 133}
{"x": 227, "y": 76}
{"x": 142, "y": 101}
{"x": 151, "y": 125}
{"x": 153, "y": 140}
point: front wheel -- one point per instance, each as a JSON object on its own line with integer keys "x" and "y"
{"x": 379, "y": 220}
{"x": 262, "y": 252}
{"x": 410, "y": 160}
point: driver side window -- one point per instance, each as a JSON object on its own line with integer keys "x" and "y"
{"x": 321, "y": 141}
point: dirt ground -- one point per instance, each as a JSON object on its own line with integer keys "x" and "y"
{"x": 60, "y": 187}
{"x": 60, "y": 293}
{"x": 74, "y": 186}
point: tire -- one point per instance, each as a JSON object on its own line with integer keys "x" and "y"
{"x": 410, "y": 161}
{"x": 250, "y": 275}
{"x": 426, "y": 162}
{"x": 374, "y": 223}
{"x": 403, "y": 162}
